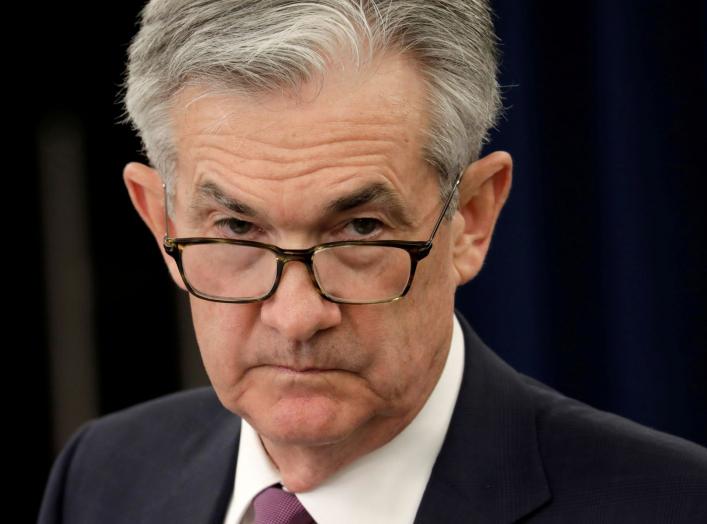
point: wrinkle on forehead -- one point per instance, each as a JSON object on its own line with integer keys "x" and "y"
{"x": 234, "y": 124}
{"x": 273, "y": 164}
{"x": 354, "y": 123}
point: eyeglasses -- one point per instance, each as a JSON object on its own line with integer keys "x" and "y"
{"x": 345, "y": 272}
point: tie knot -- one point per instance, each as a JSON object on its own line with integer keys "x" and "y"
{"x": 275, "y": 506}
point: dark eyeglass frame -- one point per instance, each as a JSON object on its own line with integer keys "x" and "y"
{"x": 416, "y": 249}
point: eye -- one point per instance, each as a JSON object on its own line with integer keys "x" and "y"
{"x": 235, "y": 226}
{"x": 364, "y": 226}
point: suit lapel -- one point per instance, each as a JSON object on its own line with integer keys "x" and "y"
{"x": 489, "y": 468}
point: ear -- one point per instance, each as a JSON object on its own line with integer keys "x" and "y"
{"x": 482, "y": 193}
{"x": 147, "y": 195}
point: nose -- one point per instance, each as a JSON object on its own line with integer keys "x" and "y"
{"x": 297, "y": 310}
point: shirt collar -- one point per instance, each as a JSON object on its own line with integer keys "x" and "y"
{"x": 383, "y": 486}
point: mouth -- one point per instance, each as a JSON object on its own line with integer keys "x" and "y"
{"x": 301, "y": 371}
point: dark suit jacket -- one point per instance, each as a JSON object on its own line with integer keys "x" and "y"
{"x": 516, "y": 451}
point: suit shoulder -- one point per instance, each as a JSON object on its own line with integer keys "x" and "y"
{"x": 182, "y": 407}
{"x": 589, "y": 453}
{"x": 163, "y": 426}
{"x": 571, "y": 425}
{"x": 132, "y": 458}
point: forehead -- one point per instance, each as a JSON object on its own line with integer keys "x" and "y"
{"x": 346, "y": 129}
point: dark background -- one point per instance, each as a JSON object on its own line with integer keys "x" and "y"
{"x": 596, "y": 282}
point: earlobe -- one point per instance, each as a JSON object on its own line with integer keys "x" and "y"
{"x": 144, "y": 186}
{"x": 483, "y": 193}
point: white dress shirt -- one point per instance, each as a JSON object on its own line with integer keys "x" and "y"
{"x": 384, "y": 486}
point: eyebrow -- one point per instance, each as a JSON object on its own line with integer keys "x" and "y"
{"x": 375, "y": 193}
{"x": 208, "y": 191}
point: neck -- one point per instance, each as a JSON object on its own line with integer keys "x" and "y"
{"x": 304, "y": 468}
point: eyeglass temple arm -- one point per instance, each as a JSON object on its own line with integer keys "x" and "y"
{"x": 166, "y": 215}
{"x": 446, "y": 205}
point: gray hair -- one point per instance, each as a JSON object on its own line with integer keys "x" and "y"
{"x": 255, "y": 46}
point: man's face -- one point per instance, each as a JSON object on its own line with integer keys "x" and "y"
{"x": 302, "y": 370}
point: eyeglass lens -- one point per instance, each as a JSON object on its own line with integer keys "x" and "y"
{"x": 355, "y": 273}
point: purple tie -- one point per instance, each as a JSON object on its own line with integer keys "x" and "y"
{"x": 275, "y": 506}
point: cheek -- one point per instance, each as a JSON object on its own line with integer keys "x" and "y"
{"x": 431, "y": 297}
{"x": 406, "y": 341}
{"x": 423, "y": 320}
{"x": 222, "y": 332}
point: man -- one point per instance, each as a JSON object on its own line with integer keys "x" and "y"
{"x": 318, "y": 191}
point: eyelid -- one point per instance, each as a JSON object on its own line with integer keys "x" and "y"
{"x": 362, "y": 214}
{"x": 384, "y": 215}
{"x": 348, "y": 220}
{"x": 380, "y": 227}
{"x": 222, "y": 224}
{"x": 375, "y": 219}
{"x": 226, "y": 220}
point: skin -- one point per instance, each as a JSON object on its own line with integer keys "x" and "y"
{"x": 323, "y": 383}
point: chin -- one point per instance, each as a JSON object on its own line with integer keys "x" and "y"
{"x": 307, "y": 421}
